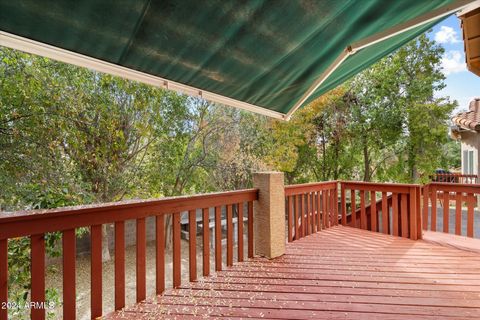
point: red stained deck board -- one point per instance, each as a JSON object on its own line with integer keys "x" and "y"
{"x": 326, "y": 297}
{"x": 316, "y": 306}
{"x": 363, "y": 275}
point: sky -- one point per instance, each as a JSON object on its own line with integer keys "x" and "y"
{"x": 462, "y": 85}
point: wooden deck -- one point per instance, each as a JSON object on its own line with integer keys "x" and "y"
{"x": 338, "y": 273}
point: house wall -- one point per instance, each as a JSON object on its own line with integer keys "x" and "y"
{"x": 471, "y": 142}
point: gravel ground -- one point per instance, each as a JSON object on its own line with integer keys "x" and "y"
{"x": 54, "y": 279}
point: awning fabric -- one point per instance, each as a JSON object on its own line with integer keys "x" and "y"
{"x": 266, "y": 53}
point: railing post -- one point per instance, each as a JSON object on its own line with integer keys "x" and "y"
{"x": 269, "y": 214}
{"x": 415, "y": 216}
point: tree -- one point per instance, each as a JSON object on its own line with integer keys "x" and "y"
{"x": 241, "y": 148}
{"x": 385, "y": 124}
{"x": 29, "y": 157}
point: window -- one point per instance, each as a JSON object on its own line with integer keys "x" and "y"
{"x": 468, "y": 162}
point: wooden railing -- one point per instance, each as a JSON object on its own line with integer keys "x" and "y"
{"x": 310, "y": 208}
{"x": 35, "y": 224}
{"x": 464, "y": 196}
{"x": 397, "y": 212}
{"x": 455, "y": 178}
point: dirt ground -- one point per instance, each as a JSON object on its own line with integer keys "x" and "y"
{"x": 54, "y": 279}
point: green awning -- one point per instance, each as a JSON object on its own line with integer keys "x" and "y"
{"x": 269, "y": 56}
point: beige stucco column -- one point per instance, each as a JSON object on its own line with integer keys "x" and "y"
{"x": 269, "y": 214}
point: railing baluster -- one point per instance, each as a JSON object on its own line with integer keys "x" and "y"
{"x": 206, "y": 241}
{"x": 395, "y": 214}
{"x": 218, "y": 239}
{"x": 384, "y": 213}
{"x": 446, "y": 211}
{"x": 334, "y": 201}
{"x": 141, "y": 262}
{"x": 433, "y": 225}
{"x": 470, "y": 204}
{"x": 96, "y": 271}
{"x": 354, "y": 208}
{"x": 289, "y": 218}
{"x": 311, "y": 203}
{"x": 240, "y": 232}
{"x": 3, "y": 277}
{"x": 418, "y": 223}
{"x": 413, "y": 213}
{"x": 229, "y": 236}
{"x": 404, "y": 213}
{"x": 458, "y": 213}
{"x": 319, "y": 210}
{"x": 119, "y": 265}
{"x": 373, "y": 211}
{"x": 306, "y": 229}
{"x": 38, "y": 274}
{"x": 363, "y": 214}
{"x": 177, "y": 255}
{"x": 192, "y": 244}
{"x": 250, "y": 229}
{"x": 302, "y": 216}
{"x": 335, "y": 205}
{"x": 344, "y": 205}
{"x": 308, "y": 209}
{"x": 328, "y": 208}
{"x": 325, "y": 217}
{"x": 307, "y": 214}
{"x": 160, "y": 253}
{"x": 69, "y": 270}
{"x": 426, "y": 198}
{"x": 314, "y": 214}
{"x": 297, "y": 217}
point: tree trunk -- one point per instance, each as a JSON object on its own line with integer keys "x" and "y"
{"x": 412, "y": 164}
{"x": 366, "y": 160}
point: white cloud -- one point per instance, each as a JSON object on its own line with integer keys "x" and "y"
{"x": 453, "y": 61}
{"x": 446, "y": 35}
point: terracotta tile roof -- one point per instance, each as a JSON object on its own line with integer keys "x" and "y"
{"x": 470, "y": 119}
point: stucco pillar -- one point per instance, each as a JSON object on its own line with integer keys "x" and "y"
{"x": 269, "y": 214}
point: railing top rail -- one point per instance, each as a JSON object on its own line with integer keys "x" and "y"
{"x": 22, "y": 223}
{"x": 457, "y": 175}
{"x": 379, "y": 186}
{"x": 294, "y": 189}
{"x": 457, "y": 187}
{"x": 388, "y": 184}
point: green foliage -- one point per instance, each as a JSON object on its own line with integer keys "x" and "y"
{"x": 451, "y": 155}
